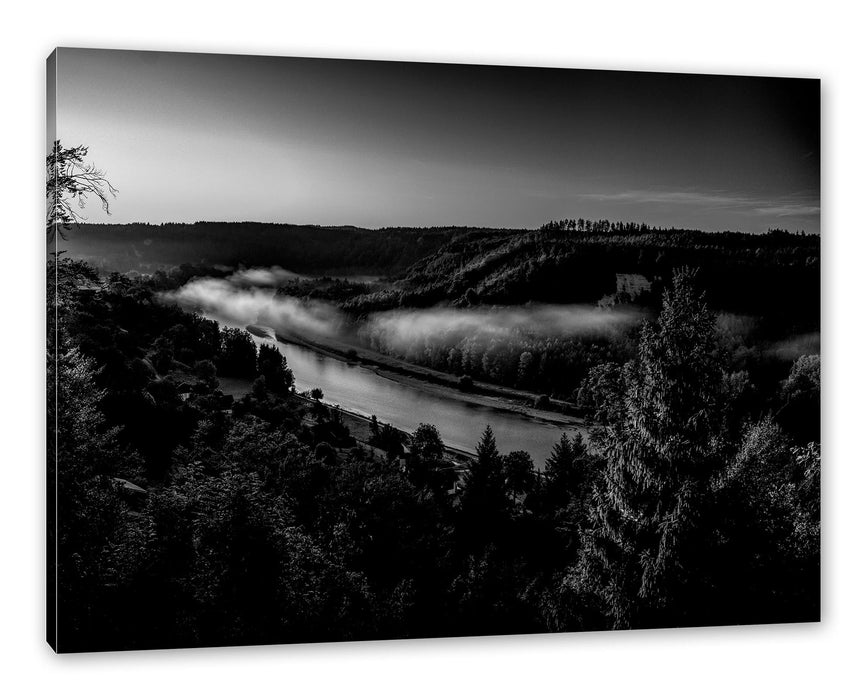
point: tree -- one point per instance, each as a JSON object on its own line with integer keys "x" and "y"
{"x": 237, "y": 354}
{"x": 525, "y": 369}
{"x": 88, "y": 513}
{"x": 601, "y": 394}
{"x": 205, "y": 371}
{"x": 519, "y": 472}
{"x": 162, "y": 354}
{"x": 427, "y": 443}
{"x": 766, "y": 568}
{"x": 800, "y": 413}
{"x": 273, "y": 367}
{"x": 70, "y": 182}
{"x": 661, "y": 454}
{"x": 484, "y": 501}
{"x": 427, "y": 450}
{"x": 561, "y": 460}
{"x": 387, "y": 438}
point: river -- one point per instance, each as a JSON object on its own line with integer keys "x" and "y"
{"x": 361, "y": 390}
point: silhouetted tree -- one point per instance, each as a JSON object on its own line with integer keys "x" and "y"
{"x": 483, "y": 503}
{"x": 273, "y": 367}
{"x": 426, "y": 452}
{"x": 237, "y": 354}
{"x": 69, "y": 182}
{"x": 427, "y": 443}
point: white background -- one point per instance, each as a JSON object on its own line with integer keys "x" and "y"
{"x": 772, "y": 38}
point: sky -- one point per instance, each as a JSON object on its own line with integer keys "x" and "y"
{"x": 204, "y": 137}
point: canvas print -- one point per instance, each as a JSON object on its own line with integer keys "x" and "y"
{"x": 350, "y": 350}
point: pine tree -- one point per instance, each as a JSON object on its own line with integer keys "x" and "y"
{"x": 561, "y": 460}
{"x": 661, "y": 456}
{"x": 484, "y": 502}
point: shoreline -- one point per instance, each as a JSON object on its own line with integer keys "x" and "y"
{"x": 455, "y": 453}
{"x": 434, "y": 381}
{"x": 358, "y": 423}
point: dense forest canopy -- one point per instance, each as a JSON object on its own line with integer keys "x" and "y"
{"x": 775, "y": 271}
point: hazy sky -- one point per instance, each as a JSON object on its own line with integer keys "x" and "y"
{"x": 191, "y": 137}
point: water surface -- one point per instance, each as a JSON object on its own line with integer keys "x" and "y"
{"x": 460, "y": 422}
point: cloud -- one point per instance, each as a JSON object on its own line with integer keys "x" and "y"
{"x": 789, "y": 210}
{"x": 708, "y": 199}
{"x": 794, "y": 205}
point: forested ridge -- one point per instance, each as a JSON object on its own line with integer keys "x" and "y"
{"x": 187, "y": 518}
{"x": 467, "y": 265}
{"x": 305, "y": 249}
{"x": 777, "y": 271}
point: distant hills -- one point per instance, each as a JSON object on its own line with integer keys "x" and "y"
{"x": 305, "y": 249}
{"x": 777, "y": 273}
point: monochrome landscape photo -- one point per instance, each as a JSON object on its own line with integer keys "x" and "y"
{"x": 348, "y": 350}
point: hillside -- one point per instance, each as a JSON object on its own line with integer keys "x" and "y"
{"x": 305, "y": 249}
{"x": 747, "y": 273}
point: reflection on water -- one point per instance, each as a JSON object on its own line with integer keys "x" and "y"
{"x": 361, "y": 390}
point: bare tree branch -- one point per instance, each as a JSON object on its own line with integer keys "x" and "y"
{"x": 69, "y": 180}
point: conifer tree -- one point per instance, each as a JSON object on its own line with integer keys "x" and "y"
{"x": 561, "y": 459}
{"x": 484, "y": 501}
{"x": 661, "y": 456}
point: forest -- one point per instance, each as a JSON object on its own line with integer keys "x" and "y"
{"x": 306, "y": 249}
{"x": 187, "y": 517}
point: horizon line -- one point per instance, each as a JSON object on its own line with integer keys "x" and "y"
{"x": 652, "y": 227}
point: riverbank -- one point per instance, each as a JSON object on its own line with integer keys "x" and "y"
{"x": 357, "y": 423}
{"x": 439, "y": 383}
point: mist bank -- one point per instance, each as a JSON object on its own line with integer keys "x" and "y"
{"x": 248, "y": 296}
{"x": 405, "y": 327}
{"x": 272, "y": 276}
{"x": 232, "y": 300}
